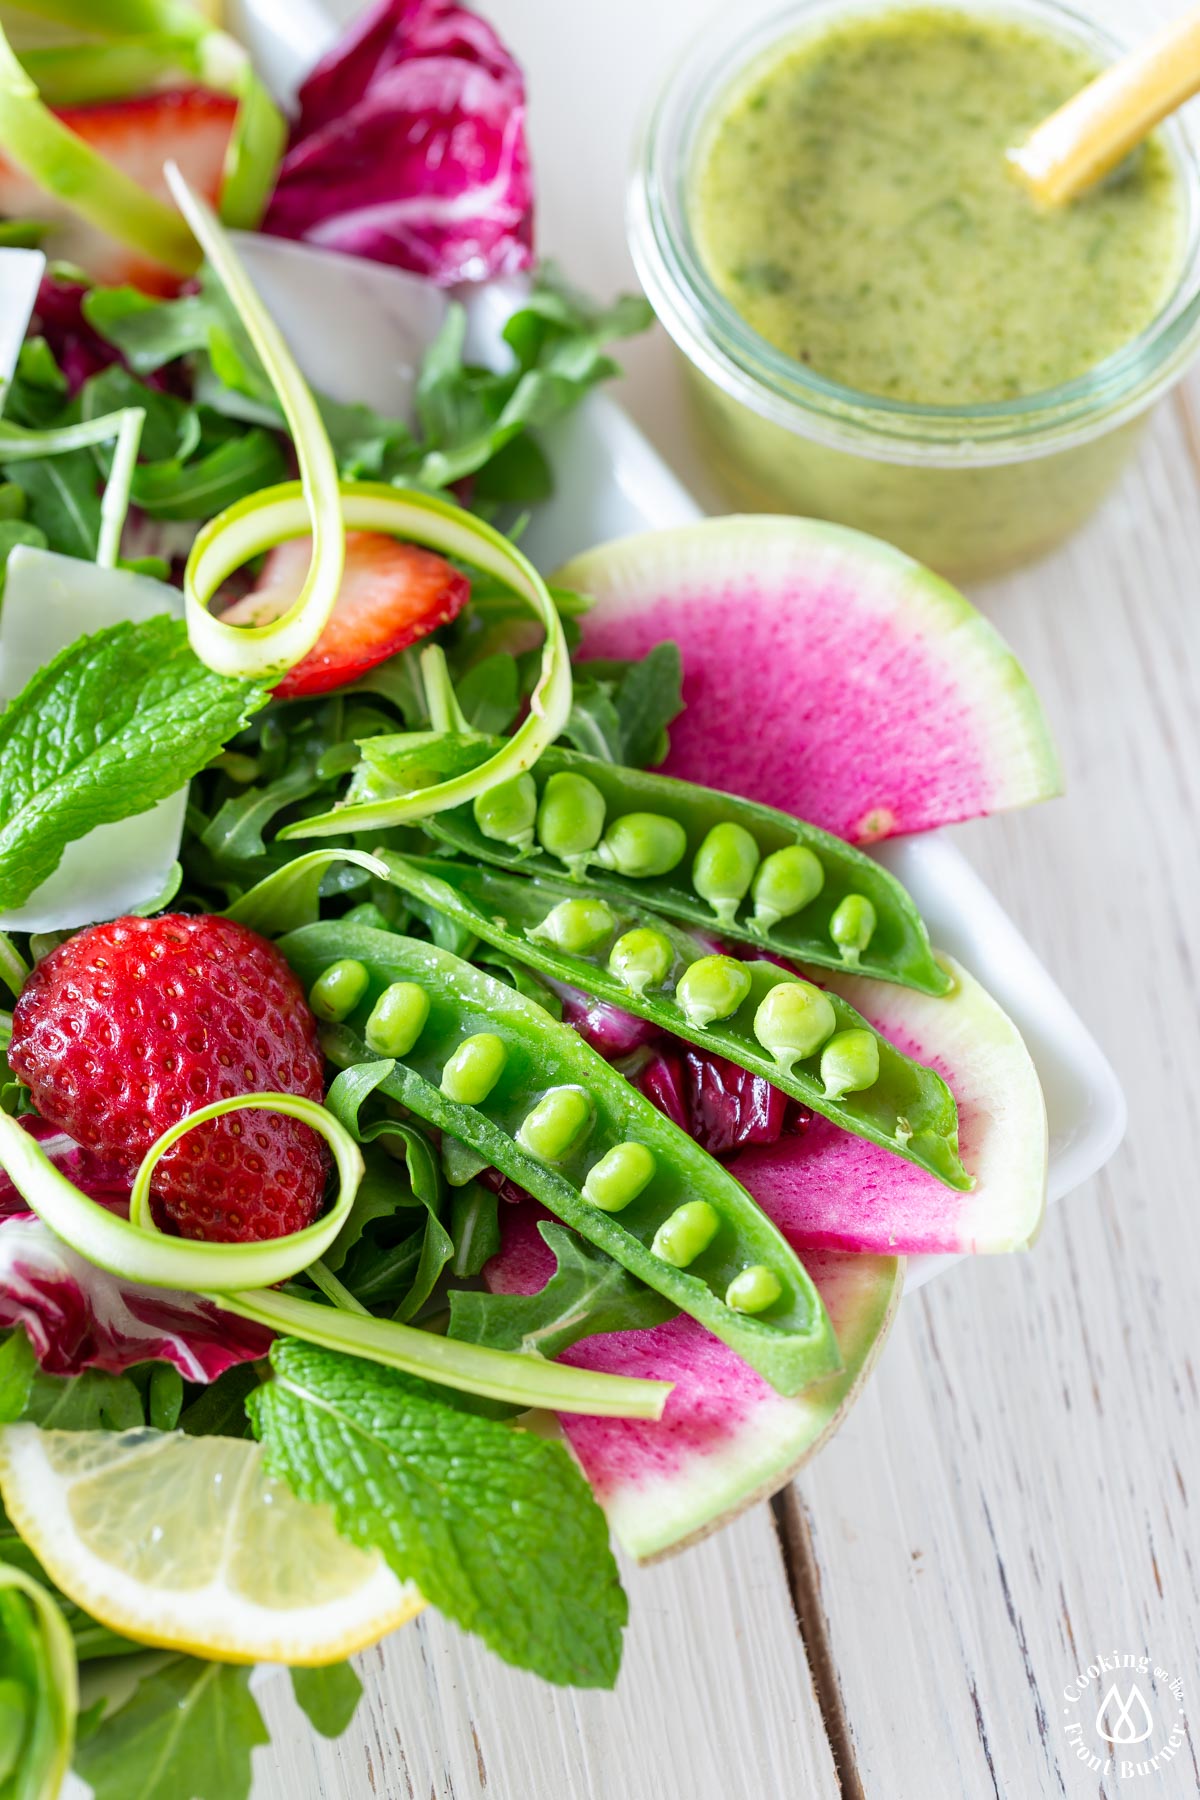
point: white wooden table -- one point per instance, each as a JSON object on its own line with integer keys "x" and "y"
{"x": 1019, "y": 1487}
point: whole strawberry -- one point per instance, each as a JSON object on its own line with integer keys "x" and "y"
{"x": 129, "y": 1025}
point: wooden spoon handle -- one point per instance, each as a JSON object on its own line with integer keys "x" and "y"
{"x": 1102, "y": 123}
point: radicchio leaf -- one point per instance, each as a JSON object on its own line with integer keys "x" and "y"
{"x": 410, "y": 148}
{"x": 99, "y": 1177}
{"x": 78, "y": 1317}
{"x": 723, "y": 1106}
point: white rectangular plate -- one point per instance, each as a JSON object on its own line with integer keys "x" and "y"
{"x": 609, "y": 483}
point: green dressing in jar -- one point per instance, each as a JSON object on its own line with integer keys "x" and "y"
{"x": 852, "y": 200}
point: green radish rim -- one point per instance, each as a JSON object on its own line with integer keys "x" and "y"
{"x": 136, "y": 1250}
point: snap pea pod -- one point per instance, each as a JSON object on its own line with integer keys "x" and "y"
{"x": 905, "y": 1107}
{"x": 494, "y": 1070}
{"x": 693, "y": 854}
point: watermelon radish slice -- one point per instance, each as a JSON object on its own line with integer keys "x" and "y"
{"x": 726, "y": 1439}
{"x": 824, "y": 673}
{"x": 830, "y": 1189}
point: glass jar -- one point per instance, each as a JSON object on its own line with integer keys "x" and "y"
{"x": 971, "y": 490}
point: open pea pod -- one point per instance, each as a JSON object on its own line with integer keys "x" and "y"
{"x": 548, "y": 1112}
{"x": 773, "y": 880}
{"x": 907, "y": 1108}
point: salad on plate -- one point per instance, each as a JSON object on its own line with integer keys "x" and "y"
{"x": 469, "y": 1088}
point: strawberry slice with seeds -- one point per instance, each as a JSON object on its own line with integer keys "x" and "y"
{"x": 188, "y": 125}
{"x": 391, "y": 595}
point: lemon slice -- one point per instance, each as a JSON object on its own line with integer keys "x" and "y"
{"x": 188, "y": 1543}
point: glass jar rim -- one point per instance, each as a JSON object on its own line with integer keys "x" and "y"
{"x": 714, "y": 336}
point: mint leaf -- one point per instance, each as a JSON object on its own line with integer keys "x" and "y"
{"x": 329, "y": 1697}
{"x": 115, "y": 723}
{"x": 587, "y": 1293}
{"x": 185, "y": 1734}
{"x": 497, "y": 1527}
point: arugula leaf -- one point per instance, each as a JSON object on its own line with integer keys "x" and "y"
{"x": 186, "y": 1733}
{"x": 621, "y": 710}
{"x": 18, "y": 1366}
{"x": 496, "y": 1527}
{"x": 62, "y": 495}
{"x": 588, "y": 1293}
{"x": 378, "y": 1197}
{"x": 150, "y": 333}
{"x": 90, "y": 1401}
{"x": 328, "y": 1696}
{"x": 473, "y": 421}
{"x": 490, "y": 694}
{"x": 91, "y": 1639}
{"x": 112, "y": 725}
{"x": 475, "y": 1228}
{"x": 38, "y": 1689}
{"x": 14, "y": 532}
{"x": 219, "y": 1408}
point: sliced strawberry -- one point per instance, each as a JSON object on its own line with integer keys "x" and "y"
{"x": 189, "y": 125}
{"x": 391, "y": 595}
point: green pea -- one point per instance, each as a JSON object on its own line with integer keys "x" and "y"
{"x": 397, "y": 1019}
{"x": 690, "y": 1229}
{"x": 619, "y": 1176}
{"x": 552, "y": 1127}
{"x": 474, "y": 1069}
{"x": 712, "y": 988}
{"x": 642, "y": 958}
{"x": 852, "y": 927}
{"x": 724, "y": 868}
{"x": 754, "y": 1289}
{"x": 849, "y": 1063}
{"x": 506, "y": 813}
{"x": 570, "y": 818}
{"x": 793, "y": 1021}
{"x": 367, "y": 913}
{"x": 786, "y": 881}
{"x": 335, "y": 993}
{"x": 576, "y": 926}
{"x": 642, "y": 845}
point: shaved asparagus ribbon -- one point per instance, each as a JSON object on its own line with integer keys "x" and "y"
{"x": 124, "y": 428}
{"x": 276, "y": 514}
{"x": 136, "y": 1250}
{"x": 263, "y": 652}
{"x": 61, "y": 1689}
{"x": 147, "y": 41}
{"x": 239, "y": 1277}
{"x": 59, "y": 161}
{"x": 319, "y": 504}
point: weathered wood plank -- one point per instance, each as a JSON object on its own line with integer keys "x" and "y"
{"x": 714, "y": 1699}
{"x": 1014, "y": 1493}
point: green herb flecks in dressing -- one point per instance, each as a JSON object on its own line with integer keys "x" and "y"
{"x": 853, "y": 202}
